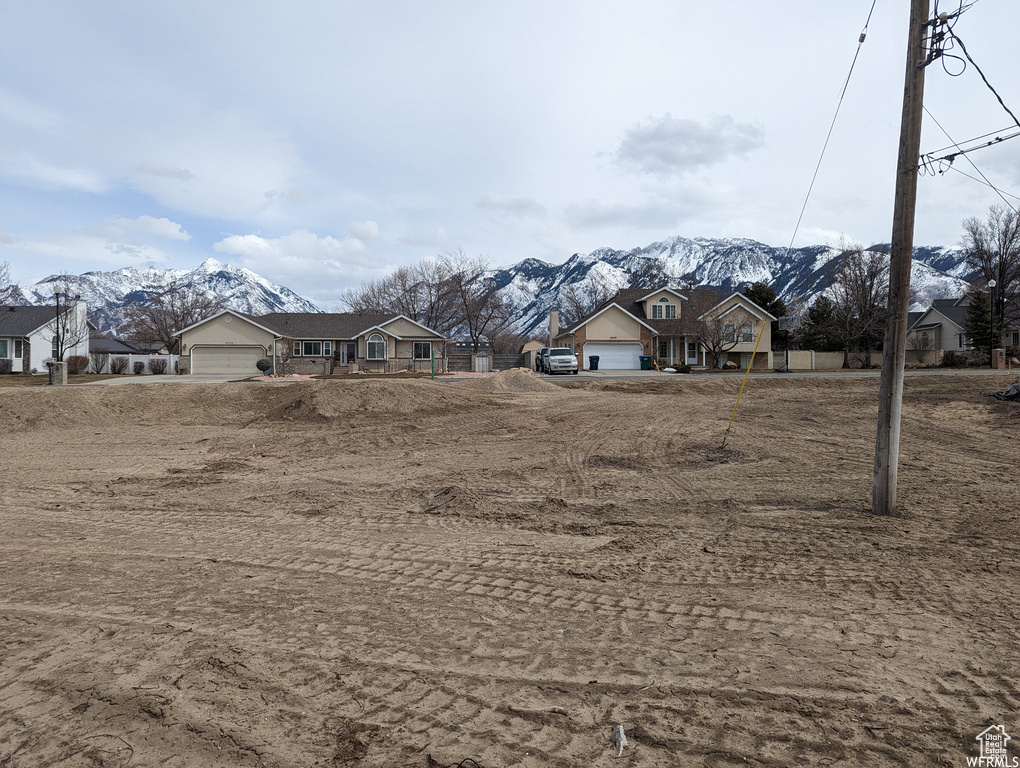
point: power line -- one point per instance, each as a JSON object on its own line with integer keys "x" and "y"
{"x": 965, "y": 157}
{"x": 963, "y": 47}
{"x": 811, "y": 186}
{"x": 846, "y": 84}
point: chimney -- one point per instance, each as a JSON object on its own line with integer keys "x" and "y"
{"x": 554, "y": 325}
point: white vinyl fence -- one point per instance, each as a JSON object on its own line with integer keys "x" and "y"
{"x": 129, "y": 369}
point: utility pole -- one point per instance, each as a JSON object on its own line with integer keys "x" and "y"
{"x": 887, "y": 442}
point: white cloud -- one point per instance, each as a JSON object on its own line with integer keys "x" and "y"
{"x": 77, "y": 251}
{"x": 432, "y": 238}
{"x": 364, "y": 230}
{"x": 314, "y": 266}
{"x": 29, "y": 171}
{"x": 674, "y": 146}
{"x": 594, "y": 213}
{"x": 227, "y": 164}
{"x": 148, "y": 225}
{"x": 519, "y": 206}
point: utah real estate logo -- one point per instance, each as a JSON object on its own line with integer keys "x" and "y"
{"x": 993, "y": 749}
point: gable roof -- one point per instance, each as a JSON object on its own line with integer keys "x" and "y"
{"x": 631, "y": 301}
{"x": 104, "y": 342}
{"x": 410, "y": 320}
{"x": 323, "y": 325}
{"x": 247, "y": 318}
{"x": 22, "y": 321}
{"x": 761, "y": 313}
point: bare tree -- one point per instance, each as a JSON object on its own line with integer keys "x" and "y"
{"x": 484, "y": 312}
{"x": 921, "y": 344}
{"x": 7, "y": 288}
{"x": 578, "y": 300}
{"x": 859, "y": 290}
{"x": 69, "y": 326}
{"x": 163, "y": 313}
{"x": 423, "y": 292}
{"x": 993, "y": 252}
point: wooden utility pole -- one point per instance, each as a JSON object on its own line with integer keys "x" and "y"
{"x": 887, "y": 442}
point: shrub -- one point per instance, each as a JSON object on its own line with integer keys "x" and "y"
{"x": 99, "y": 360}
{"x": 265, "y": 365}
{"x": 157, "y": 365}
{"x": 139, "y": 367}
{"x": 685, "y": 368}
{"x": 951, "y": 359}
{"x": 6, "y": 366}
{"x": 77, "y": 364}
{"x": 118, "y": 364}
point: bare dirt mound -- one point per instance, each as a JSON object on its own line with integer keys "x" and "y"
{"x": 241, "y": 403}
{"x": 516, "y": 380}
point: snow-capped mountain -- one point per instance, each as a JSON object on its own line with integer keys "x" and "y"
{"x": 108, "y": 293}
{"x": 798, "y": 275}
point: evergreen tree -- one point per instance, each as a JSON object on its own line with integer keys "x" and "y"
{"x": 765, "y": 297}
{"x": 820, "y": 332}
{"x": 978, "y": 324}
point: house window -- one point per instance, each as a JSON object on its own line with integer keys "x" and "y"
{"x": 297, "y": 348}
{"x": 56, "y": 347}
{"x": 311, "y": 348}
{"x": 663, "y": 349}
{"x": 19, "y": 349}
{"x": 663, "y": 309}
{"x": 730, "y": 332}
{"x": 3, "y": 349}
{"x": 961, "y": 341}
{"x": 423, "y": 350}
{"x": 376, "y": 347}
{"x": 1016, "y": 339}
{"x": 746, "y": 332}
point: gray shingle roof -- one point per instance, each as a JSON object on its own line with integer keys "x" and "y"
{"x": 699, "y": 300}
{"x": 21, "y": 321}
{"x": 321, "y": 325}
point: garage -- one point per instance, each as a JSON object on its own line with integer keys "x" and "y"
{"x": 226, "y": 360}
{"x": 618, "y": 357}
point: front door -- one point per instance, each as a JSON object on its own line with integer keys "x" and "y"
{"x": 350, "y": 355}
{"x": 692, "y": 353}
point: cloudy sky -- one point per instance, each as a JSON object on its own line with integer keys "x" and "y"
{"x": 321, "y": 144}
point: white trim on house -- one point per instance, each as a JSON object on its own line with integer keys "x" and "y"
{"x": 601, "y": 311}
{"x": 238, "y": 315}
{"x": 743, "y": 300}
{"x": 661, "y": 290}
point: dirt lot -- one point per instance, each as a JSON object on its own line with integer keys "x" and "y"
{"x": 498, "y": 572}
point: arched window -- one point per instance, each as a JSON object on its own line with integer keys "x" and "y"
{"x": 376, "y": 347}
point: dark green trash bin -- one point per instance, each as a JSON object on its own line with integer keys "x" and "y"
{"x": 646, "y": 362}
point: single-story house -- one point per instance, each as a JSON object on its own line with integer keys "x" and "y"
{"x": 29, "y": 335}
{"x": 670, "y": 326}
{"x": 105, "y": 344}
{"x": 310, "y": 342}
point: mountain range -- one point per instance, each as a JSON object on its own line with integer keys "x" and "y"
{"x": 799, "y": 275}
{"x": 108, "y": 294}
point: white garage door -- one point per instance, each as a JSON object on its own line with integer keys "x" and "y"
{"x": 228, "y": 360}
{"x": 614, "y": 357}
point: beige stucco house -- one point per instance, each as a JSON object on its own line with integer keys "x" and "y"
{"x": 669, "y": 326}
{"x": 306, "y": 342}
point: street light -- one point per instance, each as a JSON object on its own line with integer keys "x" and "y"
{"x": 991, "y": 323}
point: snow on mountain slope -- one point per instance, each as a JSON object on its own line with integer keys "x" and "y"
{"x": 107, "y": 294}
